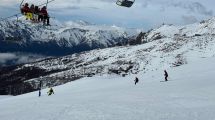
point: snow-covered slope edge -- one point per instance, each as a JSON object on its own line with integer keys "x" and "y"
{"x": 188, "y": 95}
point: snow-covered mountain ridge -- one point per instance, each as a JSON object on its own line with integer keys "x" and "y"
{"x": 162, "y": 48}
{"x": 60, "y": 38}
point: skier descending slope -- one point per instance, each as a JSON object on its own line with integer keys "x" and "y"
{"x": 50, "y": 92}
{"x": 165, "y": 75}
{"x": 40, "y": 87}
{"x": 136, "y": 80}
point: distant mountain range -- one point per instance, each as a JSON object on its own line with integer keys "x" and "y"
{"x": 60, "y": 38}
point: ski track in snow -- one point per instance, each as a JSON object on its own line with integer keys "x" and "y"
{"x": 188, "y": 95}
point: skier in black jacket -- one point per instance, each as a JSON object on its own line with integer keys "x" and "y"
{"x": 165, "y": 75}
{"x": 40, "y": 87}
{"x": 136, "y": 80}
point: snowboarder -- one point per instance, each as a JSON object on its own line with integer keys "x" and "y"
{"x": 136, "y": 80}
{"x": 165, "y": 75}
{"x": 50, "y": 92}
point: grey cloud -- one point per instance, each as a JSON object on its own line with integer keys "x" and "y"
{"x": 18, "y": 58}
{"x": 71, "y": 1}
{"x": 94, "y": 7}
{"x": 73, "y": 7}
{"x": 78, "y": 1}
{"x": 109, "y": 1}
{"x": 4, "y": 57}
{"x": 190, "y": 7}
{"x": 194, "y": 7}
{"x": 201, "y": 9}
{"x": 189, "y": 19}
{"x": 146, "y": 3}
{"x": 67, "y": 9}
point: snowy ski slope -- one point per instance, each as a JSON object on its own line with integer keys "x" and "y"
{"x": 189, "y": 95}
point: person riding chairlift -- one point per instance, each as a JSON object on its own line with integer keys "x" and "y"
{"x": 22, "y": 9}
{"x": 40, "y": 17}
{"x": 27, "y": 12}
{"x": 32, "y": 11}
{"x": 36, "y": 13}
{"x": 45, "y": 15}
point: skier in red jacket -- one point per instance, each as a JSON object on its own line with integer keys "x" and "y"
{"x": 45, "y": 15}
{"x": 25, "y": 10}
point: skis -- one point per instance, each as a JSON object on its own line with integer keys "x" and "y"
{"x": 166, "y": 81}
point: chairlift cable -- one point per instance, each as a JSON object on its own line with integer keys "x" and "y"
{"x": 46, "y": 3}
{"x": 21, "y": 3}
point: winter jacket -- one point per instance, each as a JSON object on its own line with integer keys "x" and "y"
{"x": 26, "y": 9}
{"x": 44, "y": 11}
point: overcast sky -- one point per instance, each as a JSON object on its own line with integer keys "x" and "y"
{"x": 145, "y": 14}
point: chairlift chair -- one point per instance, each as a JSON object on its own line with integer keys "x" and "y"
{"x": 125, "y": 3}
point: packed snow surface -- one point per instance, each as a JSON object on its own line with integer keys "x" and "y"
{"x": 189, "y": 95}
